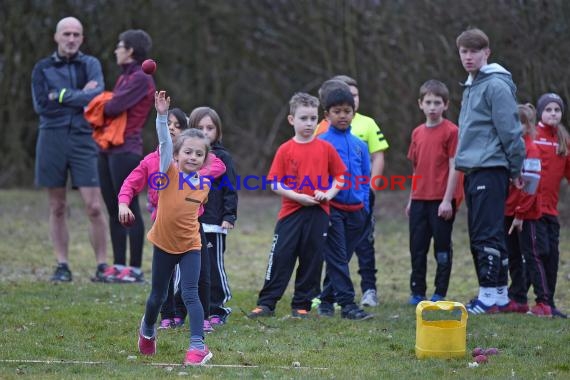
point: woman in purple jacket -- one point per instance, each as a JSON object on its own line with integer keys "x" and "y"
{"x": 133, "y": 94}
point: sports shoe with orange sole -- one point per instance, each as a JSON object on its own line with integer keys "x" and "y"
{"x": 261, "y": 311}
{"x": 299, "y": 313}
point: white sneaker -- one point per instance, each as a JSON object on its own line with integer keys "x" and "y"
{"x": 369, "y": 298}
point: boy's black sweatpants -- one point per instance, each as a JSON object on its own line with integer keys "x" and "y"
{"x": 485, "y": 196}
{"x": 365, "y": 251}
{"x": 302, "y": 236}
{"x": 425, "y": 224}
{"x": 344, "y": 233}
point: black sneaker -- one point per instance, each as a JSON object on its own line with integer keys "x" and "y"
{"x": 558, "y": 314}
{"x": 325, "y": 310}
{"x": 61, "y": 274}
{"x": 355, "y": 313}
{"x": 100, "y": 274}
{"x": 300, "y": 313}
{"x": 261, "y": 311}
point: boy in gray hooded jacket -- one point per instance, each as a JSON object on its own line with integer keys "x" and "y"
{"x": 490, "y": 152}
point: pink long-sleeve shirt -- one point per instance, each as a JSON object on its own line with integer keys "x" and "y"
{"x": 137, "y": 180}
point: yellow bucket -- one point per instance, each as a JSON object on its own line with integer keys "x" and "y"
{"x": 441, "y": 338}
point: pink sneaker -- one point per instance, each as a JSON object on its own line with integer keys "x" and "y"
{"x": 208, "y": 327}
{"x": 166, "y": 323}
{"x": 129, "y": 276}
{"x": 178, "y": 322}
{"x": 514, "y": 307}
{"x": 147, "y": 346}
{"x": 541, "y": 310}
{"x": 197, "y": 357}
{"x": 215, "y": 320}
{"x": 110, "y": 274}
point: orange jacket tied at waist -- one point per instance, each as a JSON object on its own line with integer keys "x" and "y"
{"x": 107, "y": 131}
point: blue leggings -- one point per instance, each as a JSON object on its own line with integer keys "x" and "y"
{"x": 162, "y": 266}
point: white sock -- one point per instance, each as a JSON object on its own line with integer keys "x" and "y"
{"x": 487, "y": 295}
{"x": 502, "y": 297}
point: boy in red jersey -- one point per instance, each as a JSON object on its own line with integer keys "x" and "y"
{"x": 432, "y": 204}
{"x": 302, "y": 173}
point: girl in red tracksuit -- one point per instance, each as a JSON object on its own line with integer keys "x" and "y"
{"x": 553, "y": 142}
{"x": 522, "y": 211}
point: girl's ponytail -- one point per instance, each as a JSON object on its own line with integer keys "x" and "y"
{"x": 527, "y": 116}
{"x": 563, "y": 140}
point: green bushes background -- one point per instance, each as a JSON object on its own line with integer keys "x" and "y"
{"x": 246, "y": 58}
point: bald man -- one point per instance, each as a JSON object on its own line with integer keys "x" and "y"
{"x": 62, "y": 85}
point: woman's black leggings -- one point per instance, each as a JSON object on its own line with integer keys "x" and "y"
{"x": 113, "y": 169}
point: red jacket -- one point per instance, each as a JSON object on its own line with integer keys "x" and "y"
{"x": 520, "y": 204}
{"x": 554, "y": 167}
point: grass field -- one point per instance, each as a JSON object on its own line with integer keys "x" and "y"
{"x": 87, "y": 330}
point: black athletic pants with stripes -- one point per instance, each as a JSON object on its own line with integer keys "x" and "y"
{"x": 300, "y": 236}
{"x": 526, "y": 267}
{"x": 220, "y": 291}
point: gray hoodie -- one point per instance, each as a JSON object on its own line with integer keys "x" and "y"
{"x": 490, "y": 133}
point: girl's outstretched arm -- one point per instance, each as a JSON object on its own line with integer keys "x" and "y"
{"x": 161, "y": 103}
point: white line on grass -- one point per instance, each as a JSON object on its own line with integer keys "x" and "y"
{"x": 238, "y": 366}
{"x": 49, "y": 361}
{"x": 38, "y": 361}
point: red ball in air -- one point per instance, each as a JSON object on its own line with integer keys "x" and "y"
{"x": 149, "y": 66}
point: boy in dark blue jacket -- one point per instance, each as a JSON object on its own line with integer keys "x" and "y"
{"x": 348, "y": 209}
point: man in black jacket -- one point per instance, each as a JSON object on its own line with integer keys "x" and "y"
{"x": 62, "y": 85}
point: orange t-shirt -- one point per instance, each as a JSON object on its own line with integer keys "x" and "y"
{"x": 322, "y": 127}
{"x": 305, "y": 168}
{"x": 430, "y": 151}
{"x": 176, "y": 229}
